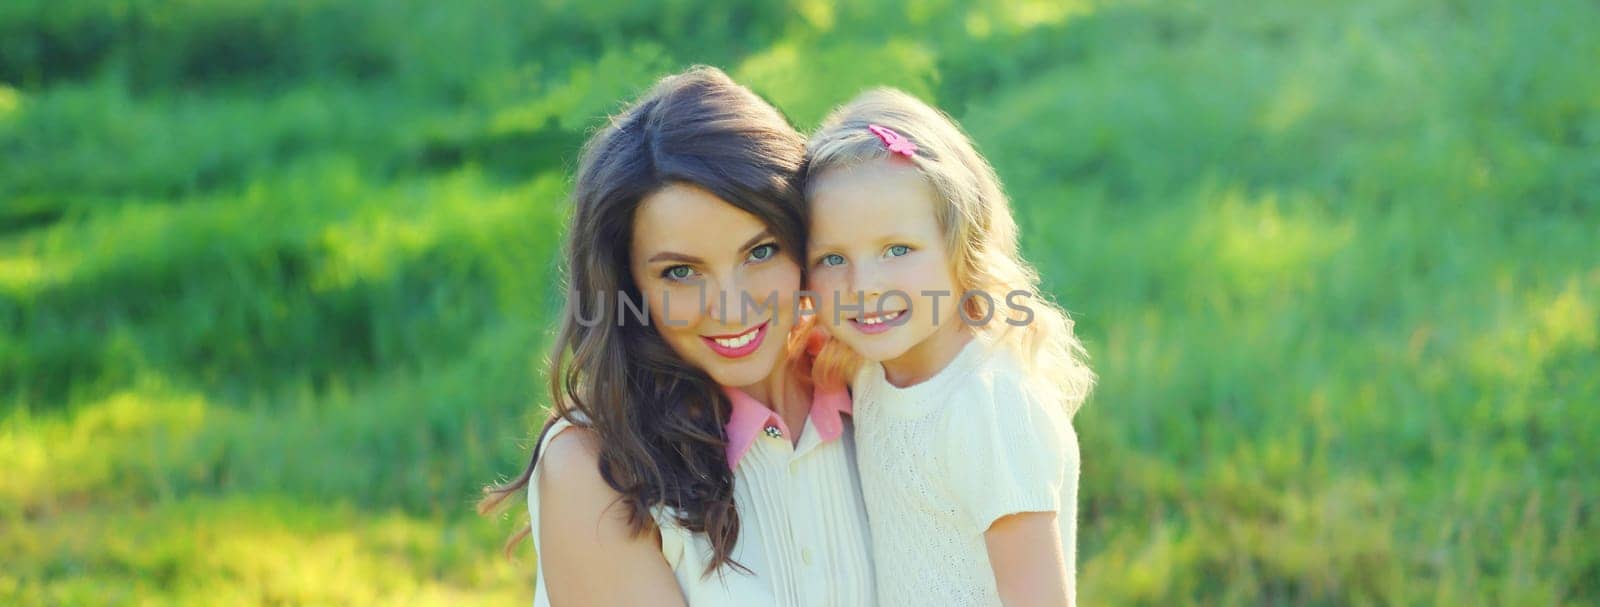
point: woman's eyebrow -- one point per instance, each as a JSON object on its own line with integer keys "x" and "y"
{"x": 755, "y": 240}
{"x": 673, "y": 256}
{"x": 682, "y": 258}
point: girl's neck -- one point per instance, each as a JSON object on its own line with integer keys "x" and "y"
{"x": 929, "y": 356}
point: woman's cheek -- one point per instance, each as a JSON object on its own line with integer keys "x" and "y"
{"x": 672, "y": 307}
{"x": 776, "y": 285}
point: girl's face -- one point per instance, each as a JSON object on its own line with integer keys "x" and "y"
{"x": 878, "y": 259}
{"x": 720, "y": 291}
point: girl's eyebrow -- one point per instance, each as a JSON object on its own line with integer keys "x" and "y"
{"x": 682, "y": 258}
{"x": 893, "y": 237}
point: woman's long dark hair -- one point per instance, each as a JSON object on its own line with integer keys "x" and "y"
{"x": 660, "y": 419}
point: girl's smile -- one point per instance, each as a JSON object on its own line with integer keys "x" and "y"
{"x": 873, "y": 324}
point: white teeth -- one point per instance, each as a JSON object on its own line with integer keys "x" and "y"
{"x": 874, "y": 320}
{"x": 737, "y": 342}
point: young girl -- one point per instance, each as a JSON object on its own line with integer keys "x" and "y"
{"x": 964, "y": 379}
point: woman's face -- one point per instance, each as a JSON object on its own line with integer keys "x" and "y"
{"x": 720, "y": 291}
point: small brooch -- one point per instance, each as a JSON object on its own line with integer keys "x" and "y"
{"x": 774, "y": 432}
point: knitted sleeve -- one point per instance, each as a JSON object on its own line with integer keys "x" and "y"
{"x": 1008, "y": 452}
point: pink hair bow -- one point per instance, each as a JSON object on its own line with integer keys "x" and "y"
{"x": 894, "y": 141}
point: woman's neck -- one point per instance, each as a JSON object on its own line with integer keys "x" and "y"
{"x": 785, "y": 394}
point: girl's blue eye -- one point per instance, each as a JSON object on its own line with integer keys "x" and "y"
{"x": 832, "y": 259}
{"x": 898, "y": 250}
{"x": 763, "y": 252}
{"x": 678, "y": 273}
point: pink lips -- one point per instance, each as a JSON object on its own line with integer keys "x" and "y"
{"x": 887, "y": 322}
{"x": 738, "y": 351}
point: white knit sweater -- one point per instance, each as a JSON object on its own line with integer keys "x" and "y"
{"x": 943, "y": 459}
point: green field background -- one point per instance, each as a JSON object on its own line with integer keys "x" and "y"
{"x": 276, "y": 277}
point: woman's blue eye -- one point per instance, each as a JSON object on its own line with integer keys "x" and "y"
{"x": 898, "y": 250}
{"x": 832, "y": 259}
{"x": 678, "y": 272}
{"x": 763, "y": 252}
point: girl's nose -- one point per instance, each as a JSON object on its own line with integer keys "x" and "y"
{"x": 867, "y": 280}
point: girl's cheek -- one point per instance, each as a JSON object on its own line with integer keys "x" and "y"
{"x": 824, "y": 286}
{"x": 821, "y": 307}
{"x": 930, "y": 275}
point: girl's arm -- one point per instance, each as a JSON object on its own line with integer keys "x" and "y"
{"x": 1029, "y": 567}
{"x": 588, "y": 553}
{"x": 1013, "y": 469}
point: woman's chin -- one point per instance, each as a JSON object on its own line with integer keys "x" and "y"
{"x": 745, "y": 370}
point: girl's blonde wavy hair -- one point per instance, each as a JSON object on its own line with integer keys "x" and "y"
{"x": 979, "y": 232}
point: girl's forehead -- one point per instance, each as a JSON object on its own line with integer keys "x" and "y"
{"x": 890, "y": 168}
{"x": 876, "y": 179}
{"x": 869, "y": 202}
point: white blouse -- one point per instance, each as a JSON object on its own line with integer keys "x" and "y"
{"x": 943, "y": 459}
{"x": 803, "y": 531}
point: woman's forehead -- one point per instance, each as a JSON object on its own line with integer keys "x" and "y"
{"x": 684, "y": 217}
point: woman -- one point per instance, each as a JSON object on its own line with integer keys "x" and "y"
{"x": 688, "y": 459}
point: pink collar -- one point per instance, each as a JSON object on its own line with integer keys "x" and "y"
{"x": 750, "y": 418}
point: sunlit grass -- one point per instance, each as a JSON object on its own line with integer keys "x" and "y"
{"x": 10, "y": 101}
{"x": 1015, "y": 15}
{"x": 808, "y": 80}
{"x": 590, "y": 91}
{"x": 262, "y": 550}
{"x": 53, "y": 463}
{"x": 274, "y": 291}
{"x": 22, "y": 275}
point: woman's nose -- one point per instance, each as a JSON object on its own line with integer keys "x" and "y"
{"x": 721, "y": 298}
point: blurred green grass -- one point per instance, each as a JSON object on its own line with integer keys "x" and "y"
{"x": 275, "y": 276}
